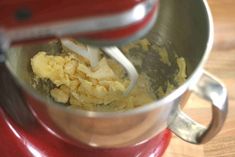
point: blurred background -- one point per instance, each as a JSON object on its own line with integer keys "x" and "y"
{"x": 221, "y": 63}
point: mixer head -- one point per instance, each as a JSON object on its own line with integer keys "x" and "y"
{"x": 97, "y": 22}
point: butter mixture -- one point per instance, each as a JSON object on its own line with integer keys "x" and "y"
{"x": 79, "y": 84}
{"x": 99, "y": 84}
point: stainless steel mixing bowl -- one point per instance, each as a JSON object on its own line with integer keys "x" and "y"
{"x": 187, "y": 24}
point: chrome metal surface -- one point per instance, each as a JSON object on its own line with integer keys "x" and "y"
{"x": 12, "y": 101}
{"x": 187, "y": 24}
{"x": 214, "y": 91}
{"x": 92, "y": 54}
{"x": 116, "y": 54}
{"x": 4, "y": 45}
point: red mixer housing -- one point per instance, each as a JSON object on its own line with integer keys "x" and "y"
{"x": 103, "y": 21}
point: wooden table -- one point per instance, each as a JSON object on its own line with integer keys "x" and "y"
{"x": 222, "y": 64}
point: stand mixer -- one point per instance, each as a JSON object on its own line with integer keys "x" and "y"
{"x": 30, "y": 130}
{"x": 106, "y": 23}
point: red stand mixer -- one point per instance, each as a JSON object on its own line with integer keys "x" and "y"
{"x": 31, "y": 130}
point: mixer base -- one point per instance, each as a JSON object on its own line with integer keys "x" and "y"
{"x": 36, "y": 141}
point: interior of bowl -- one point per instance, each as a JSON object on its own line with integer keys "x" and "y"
{"x": 182, "y": 29}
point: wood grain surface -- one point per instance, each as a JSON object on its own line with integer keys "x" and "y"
{"x": 221, "y": 63}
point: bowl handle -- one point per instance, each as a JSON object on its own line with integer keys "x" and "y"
{"x": 210, "y": 89}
